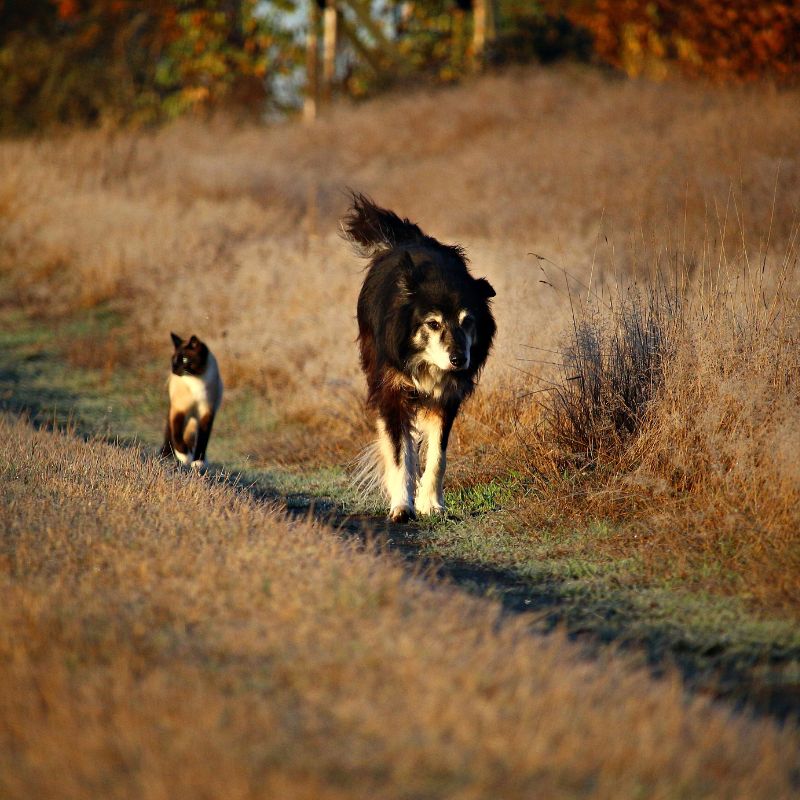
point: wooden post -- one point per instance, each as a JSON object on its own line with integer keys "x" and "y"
{"x": 312, "y": 58}
{"x": 459, "y": 47}
{"x": 479, "y": 15}
{"x": 328, "y": 50}
{"x": 405, "y": 12}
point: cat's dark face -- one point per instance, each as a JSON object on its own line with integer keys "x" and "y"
{"x": 190, "y": 357}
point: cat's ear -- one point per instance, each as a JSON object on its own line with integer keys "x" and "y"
{"x": 176, "y": 340}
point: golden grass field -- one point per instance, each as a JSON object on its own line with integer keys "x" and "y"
{"x": 232, "y": 233}
{"x": 169, "y": 637}
{"x": 164, "y": 636}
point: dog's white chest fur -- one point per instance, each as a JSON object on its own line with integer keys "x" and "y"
{"x": 429, "y": 382}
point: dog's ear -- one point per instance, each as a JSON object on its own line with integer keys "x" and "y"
{"x": 395, "y": 337}
{"x": 485, "y": 289}
{"x": 395, "y": 323}
{"x": 407, "y": 279}
{"x": 193, "y": 340}
{"x": 176, "y": 340}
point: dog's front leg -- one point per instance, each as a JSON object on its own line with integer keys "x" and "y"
{"x": 435, "y": 425}
{"x": 399, "y": 465}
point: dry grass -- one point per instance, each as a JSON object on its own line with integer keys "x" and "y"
{"x": 165, "y": 636}
{"x": 233, "y": 230}
{"x": 675, "y": 414}
{"x": 230, "y": 232}
{"x": 723, "y": 439}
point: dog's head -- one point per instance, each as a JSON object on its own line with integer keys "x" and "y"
{"x": 447, "y": 324}
{"x": 190, "y": 356}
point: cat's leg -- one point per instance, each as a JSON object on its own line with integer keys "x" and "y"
{"x": 177, "y": 424}
{"x": 203, "y": 435}
{"x": 190, "y": 436}
{"x": 166, "y": 448}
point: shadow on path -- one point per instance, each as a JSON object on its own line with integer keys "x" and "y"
{"x": 28, "y": 388}
{"x": 763, "y": 682}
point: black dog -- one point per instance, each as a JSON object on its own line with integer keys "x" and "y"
{"x": 425, "y": 331}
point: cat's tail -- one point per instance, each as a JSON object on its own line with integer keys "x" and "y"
{"x": 166, "y": 448}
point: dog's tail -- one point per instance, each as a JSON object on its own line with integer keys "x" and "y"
{"x": 366, "y": 473}
{"x": 373, "y": 230}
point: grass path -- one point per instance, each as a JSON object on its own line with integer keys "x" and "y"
{"x": 719, "y": 647}
{"x": 167, "y": 636}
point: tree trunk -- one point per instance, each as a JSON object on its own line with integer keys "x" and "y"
{"x": 479, "y": 24}
{"x": 328, "y": 50}
{"x": 312, "y": 58}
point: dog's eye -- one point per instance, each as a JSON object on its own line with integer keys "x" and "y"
{"x": 434, "y": 324}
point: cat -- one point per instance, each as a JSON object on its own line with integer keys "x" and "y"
{"x": 195, "y": 394}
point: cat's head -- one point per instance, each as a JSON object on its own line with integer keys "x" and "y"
{"x": 190, "y": 356}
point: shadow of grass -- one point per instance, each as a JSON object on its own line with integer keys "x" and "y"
{"x": 755, "y": 674}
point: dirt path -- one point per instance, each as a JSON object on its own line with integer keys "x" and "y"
{"x": 771, "y": 687}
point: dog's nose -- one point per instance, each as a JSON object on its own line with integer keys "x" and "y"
{"x": 458, "y": 360}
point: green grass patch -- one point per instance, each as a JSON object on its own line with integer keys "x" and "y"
{"x": 719, "y": 643}
{"x": 483, "y": 497}
{"x": 36, "y": 378}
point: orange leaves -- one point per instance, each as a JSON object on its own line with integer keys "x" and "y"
{"x": 67, "y": 9}
{"x": 735, "y": 40}
{"x": 75, "y": 10}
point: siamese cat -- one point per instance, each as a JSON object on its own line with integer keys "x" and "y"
{"x": 195, "y": 394}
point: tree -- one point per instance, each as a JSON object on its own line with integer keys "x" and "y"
{"x": 724, "y": 40}
{"x": 65, "y": 61}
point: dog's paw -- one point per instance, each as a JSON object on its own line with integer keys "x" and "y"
{"x": 401, "y": 514}
{"x": 433, "y": 510}
{"x": 184, "y": 459}
{"x": 429, "y": 503}
{"x": 198, "y": 466}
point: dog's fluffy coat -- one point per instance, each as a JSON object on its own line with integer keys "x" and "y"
{"x": 425, "y": 330}
{"x": 195, "y": 394}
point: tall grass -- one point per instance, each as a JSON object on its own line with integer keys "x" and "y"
{"x": 612, "y": 366}
{"x": 676, "y": 402}
{"x": 675, "y": 412}
{"x": 164, "y": 636}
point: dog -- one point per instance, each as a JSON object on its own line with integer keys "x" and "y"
{"x": 195, "y": 394}
{"x": 425, "y": 329}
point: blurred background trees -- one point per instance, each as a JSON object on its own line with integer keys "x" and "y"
{"x": 722, "y": 40}
{"x": 136, "y": 61}
{"x": 142, "y": 61}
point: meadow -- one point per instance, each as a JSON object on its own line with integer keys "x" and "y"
{"x": 169, "y": 637}
{"x": 632, "y": 447}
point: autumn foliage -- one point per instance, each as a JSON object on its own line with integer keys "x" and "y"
{"x": 722, "y": 40}
{"x": 142, "y": 61}
{"x": 66, "y": 61}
